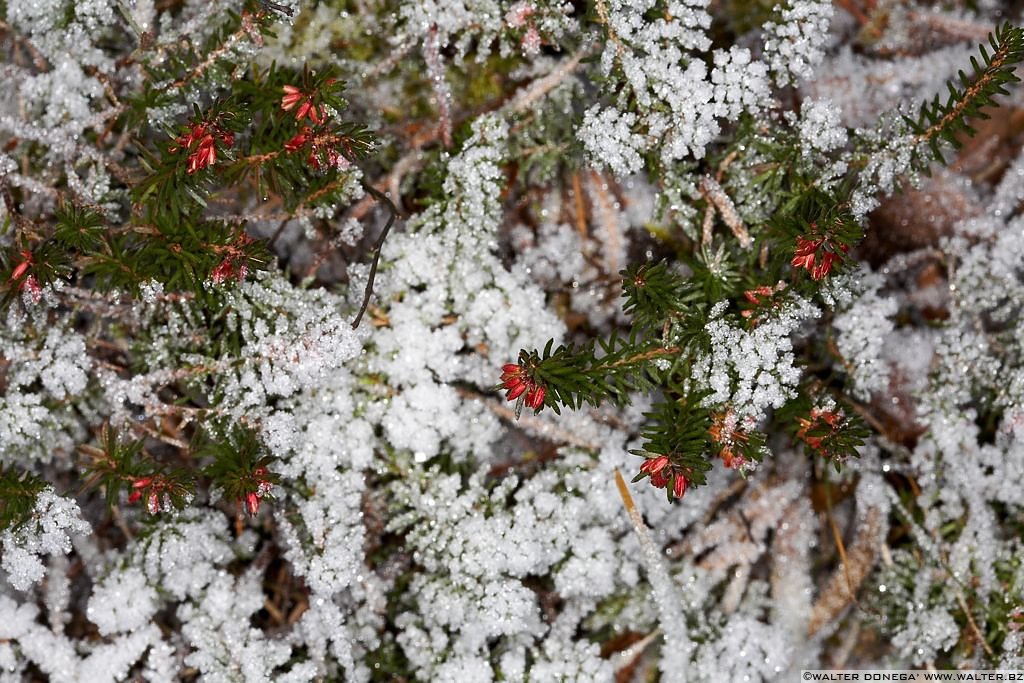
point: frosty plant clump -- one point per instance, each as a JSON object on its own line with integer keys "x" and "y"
{"x": 332, "y": 333}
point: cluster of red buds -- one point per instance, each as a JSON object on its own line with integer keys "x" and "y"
{"x": 664, "y": 474}
{"x": 28, "y": 282}
{"x": 317, "y": 145}
{"x": 227, "y": 270}
{"x": 152, "y": 488}
{"x": 516, "y": 382}
{"x": 201, "y": 143}
{"x": 759, "y": 297}
{"x": 293, "y": 97}
{"x": 817, "y": 253}
{"x": 725, "y": 432}
{"x": 263, "y": 487}
{"x": 233, "y": 266}
{"x": 819, "y": 417}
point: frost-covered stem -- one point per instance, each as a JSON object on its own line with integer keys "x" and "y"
{"x": 260, "y": 159}
{"x": 708, "y": 225}
{"x": 211, "y": 58}
{"x": 442, "y": 93}
{"x": 527, "y": 96}
{"x": 625, "y": 659}
{"x": 609, "y": 222}
{"x": 602, "y": 14}
{"x": 37, "y": 57}
{"x": 839, "y": 592}
{"x": 714, "y": 194}
{"x": 670, "y": 612}
{"x": 958, "y": 29}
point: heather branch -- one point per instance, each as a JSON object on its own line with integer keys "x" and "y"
{"x": 1008, "y": 49}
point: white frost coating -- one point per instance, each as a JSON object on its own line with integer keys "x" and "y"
{"x": 48, "y": 532}
{"x": 926, "y": 634}
{"x": 793, "y": 44}
{"x": 741, "y": 83}
{"x": 123, "y": 601}
{"x": 607, "y": 134}
{"x": 821, "y": 128}
{"x": 680, "y": 101}
{"x": 752, "y": 369}
{"x": 863, "y": 329}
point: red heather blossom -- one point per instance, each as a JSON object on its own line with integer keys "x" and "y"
{"x": 28, "y": 282}
{"x": 806, "y": 255}
{"x": 252, "y": 503}
{"x": 233, "y": 265}
{"x": 334, "y": 158}
{"x": 763, "y": 296}
{"x": 226, "y": 270}
{"x": 294, "y": 97}
{"x": 818, "y": 417}
{"x": 26, "y": 263}
{"x": 299, "y": 141}
{"x": 139, "y": 486}
{"x": 516, "y": 382}
{"x": 653, "y": 466}
{"x": 725, "y": 432}
{"x": 531, "y": 41}
{"x": 663, "y": 473}
{"x": 679, "y": 486}
{"x": 252, "y": 499}
{"x": 516, "y": 16}
{"x": 307, "y": 136}
{"x": 31, "y": 285}
{"x": 200, "y": 140}
{"x": 752, "y": 294}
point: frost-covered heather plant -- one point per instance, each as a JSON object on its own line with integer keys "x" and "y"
{"x": 266, "y": 269}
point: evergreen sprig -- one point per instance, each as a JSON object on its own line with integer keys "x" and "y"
{"x": 678, "y": 428}
{"x": 596, "y": 371}
{"x": 118, "y": 465}
{"x": 239, "y": 465}
{"x": 944, "y": 120}
{"x": 654, "y": 294}
{"x": 18, "y": 492}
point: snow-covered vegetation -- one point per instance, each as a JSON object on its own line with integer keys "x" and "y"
{"x": 332, "y": 333}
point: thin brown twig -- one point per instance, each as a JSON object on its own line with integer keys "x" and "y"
{"x": 376, "y": 249}
{"x": 974, "y": 626}
{"x": 640, "y": 357}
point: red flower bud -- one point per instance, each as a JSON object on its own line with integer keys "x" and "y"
{"x": 292, "y": 96}
{"x": 252, "y": 503}
{"x": 679, "y": 486}
{"x": 535, "y": 397}
{"x": 298, "y": 141}
{"x": 654, "y": 465}
{"x": 25, "y": 264}
{"x": 515, "y": 391}
{"x": 658, "y": 479}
